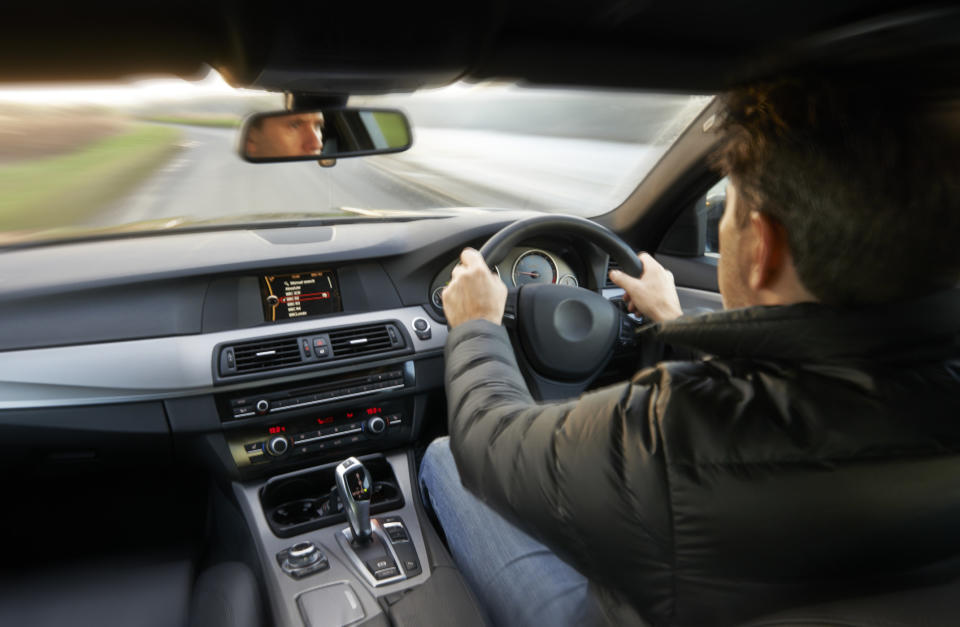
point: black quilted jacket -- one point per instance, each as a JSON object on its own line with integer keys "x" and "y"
{"x": 813, "y": 454}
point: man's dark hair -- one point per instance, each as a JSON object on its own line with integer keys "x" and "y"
{"x": 863, "y": 180}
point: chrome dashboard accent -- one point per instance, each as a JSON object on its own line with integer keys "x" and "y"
{"x": 328, "y": 400}
{"x": 165, "y": 367}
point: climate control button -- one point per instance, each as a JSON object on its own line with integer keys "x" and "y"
{"x": 376, "y": 425}
{"x": 278, "y": 446}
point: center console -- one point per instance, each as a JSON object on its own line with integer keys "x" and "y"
{"x": 316, "y": 572}
{"x": 337, "y": 546}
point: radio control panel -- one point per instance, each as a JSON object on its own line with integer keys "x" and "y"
{"x": 275, "y": 402}
{"x": 355, "y": 413}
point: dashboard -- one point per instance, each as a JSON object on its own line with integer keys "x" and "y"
{"x": 276, "y": 347}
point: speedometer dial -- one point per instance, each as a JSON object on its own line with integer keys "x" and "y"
{"x": 534, "y": 266}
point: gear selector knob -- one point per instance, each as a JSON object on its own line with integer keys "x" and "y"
{"x": 355, "y": 487}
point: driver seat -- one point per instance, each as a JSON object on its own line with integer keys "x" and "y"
{"x": 920, "y": 607}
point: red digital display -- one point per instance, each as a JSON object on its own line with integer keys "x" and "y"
{"x": 349, "y": 414}
{"x": 374, "y": 410}
{"x": 325, "y": 421}
{"x": 277, "y": 429}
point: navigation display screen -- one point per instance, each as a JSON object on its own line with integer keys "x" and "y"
{"x": 290, "y": 296}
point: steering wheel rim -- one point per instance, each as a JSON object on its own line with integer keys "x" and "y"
{"x": 500, "y": 243}
{"x": 563, "y": 336}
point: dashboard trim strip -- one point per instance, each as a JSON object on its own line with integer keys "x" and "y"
{"x": 332, "y": 399}
{"x": 171, "y": 367}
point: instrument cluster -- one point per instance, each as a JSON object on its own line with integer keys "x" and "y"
{"x": 523, "y": 265}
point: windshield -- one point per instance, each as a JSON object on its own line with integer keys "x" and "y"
{"x": 161, "y": 154}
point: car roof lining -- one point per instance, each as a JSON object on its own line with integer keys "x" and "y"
{"x": 672, "y": 45}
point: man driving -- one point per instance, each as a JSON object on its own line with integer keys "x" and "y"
{"x": 809, "y": 452}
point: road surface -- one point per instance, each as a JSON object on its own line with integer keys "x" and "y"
{"x": 206, "y": 179}
{"x": 445, "y": 168}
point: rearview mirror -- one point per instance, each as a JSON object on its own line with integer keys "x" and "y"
{"x": 333, "y": 133}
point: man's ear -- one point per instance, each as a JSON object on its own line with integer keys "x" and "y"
{"x": 770, "y": 250}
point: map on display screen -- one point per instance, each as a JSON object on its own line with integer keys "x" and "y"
{"x": 290, "y": 296}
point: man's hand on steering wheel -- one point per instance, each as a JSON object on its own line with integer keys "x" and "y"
{"x": 473, "y": 292}
{"x": 653, "y": 295}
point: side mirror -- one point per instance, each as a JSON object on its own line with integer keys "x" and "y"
{"x": 323, "y": 134}
{"x": 696, "y": 230}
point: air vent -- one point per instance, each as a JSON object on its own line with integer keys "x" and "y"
{"x": 267, "y": 354}
{"x": 316, "y": 347}
{"x": 364, "y": 340}
{"x": 611, "y": 265}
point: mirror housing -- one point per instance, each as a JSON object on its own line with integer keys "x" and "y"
{"x": 323, "y": 134}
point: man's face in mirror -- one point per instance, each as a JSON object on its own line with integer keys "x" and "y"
{"x": 291, "y": 135}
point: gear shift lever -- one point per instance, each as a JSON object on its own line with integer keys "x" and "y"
{"x": 354, "y": 484}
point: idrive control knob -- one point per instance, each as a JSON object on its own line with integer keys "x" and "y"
{"x": 278, "y": 446}
{"x": 303, "y": 554}
{"x": 376, "y": 425}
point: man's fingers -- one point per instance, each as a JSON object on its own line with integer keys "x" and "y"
{"x": 470, "y": 257}
{"x": 647, "y": 260}
{"x": 622, "y": 279}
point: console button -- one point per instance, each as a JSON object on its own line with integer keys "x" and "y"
{"x": 397, "y": 534}
{"x": 380, "y": 563}
{"x": 386, "y": 573}
{"x": 263, "y": 406}
{"x": 420, "y": 324}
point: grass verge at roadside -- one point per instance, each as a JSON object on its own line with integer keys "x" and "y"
{"x": 214, "y": 122}
{"x": 68, "y": 189}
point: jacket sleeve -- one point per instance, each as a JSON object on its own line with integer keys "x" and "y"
{"x": 585, "y": 477}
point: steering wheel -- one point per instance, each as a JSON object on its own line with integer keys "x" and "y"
{"x": 563, "y": 336}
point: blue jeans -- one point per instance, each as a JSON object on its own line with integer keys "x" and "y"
{"x": 518, "y": 580}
